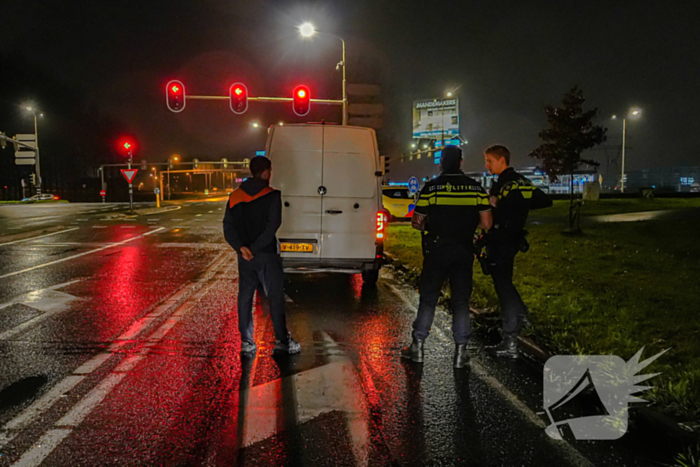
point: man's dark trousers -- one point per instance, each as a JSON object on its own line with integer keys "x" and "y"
{"x": 264, "y": 269}
{"x": 502, "y": 253}
{"x": 443, "y": 259}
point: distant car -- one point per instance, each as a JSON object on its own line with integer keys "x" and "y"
{"x": 398, "y": 202}
{"x": 42, "y": 197}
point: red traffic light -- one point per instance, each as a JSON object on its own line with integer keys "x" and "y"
{"x": 239, "y": 98}
{"x": 175, "y": 96}
{"x": 301, "y": 101}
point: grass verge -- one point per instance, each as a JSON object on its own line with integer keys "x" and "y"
{"x": 612, "y": 290}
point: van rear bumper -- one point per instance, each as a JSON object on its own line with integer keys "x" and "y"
{"x": 350, "y": 266}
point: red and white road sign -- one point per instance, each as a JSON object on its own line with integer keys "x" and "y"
{"x": 103, "y": 193}
{"x": 129, "y": 174}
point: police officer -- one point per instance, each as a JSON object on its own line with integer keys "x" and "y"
{"x": 512, "y": 196}
{"x": 448, "y": 212}
{"x": 253, "y": 215}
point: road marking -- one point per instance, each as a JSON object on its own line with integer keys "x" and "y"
{"x": 12, "y": 428}
{"x": 176, "y": 219}
{"x": 49, "y": 301}
{"x": 68, "y": 258}
{"x": 82, "y": 220}
{"x": 210, "y": 212}
{"x": 40, "y": 236}
{"x": 564, "y": 447}
{"x": 42, "y": 448}
{"x": 197, "y": 215}
{"x": 49, "y": 441}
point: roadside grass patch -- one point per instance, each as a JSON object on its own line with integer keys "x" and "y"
{"x": 614, "y": 289}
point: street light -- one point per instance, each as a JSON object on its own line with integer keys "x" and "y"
{"x": 633, "y": 113}
{"x": 31, "y": 109}
{"x": 307, "y": 30}
{"x": 255, "y": 124}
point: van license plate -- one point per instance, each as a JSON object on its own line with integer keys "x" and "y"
{"x": 297, "y": 247}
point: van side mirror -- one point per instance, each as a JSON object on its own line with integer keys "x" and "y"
{"x": 378, "y": 173}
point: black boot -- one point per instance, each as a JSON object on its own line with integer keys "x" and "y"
{"x": 414, "y": 351}
{"x": 461, "y": 357}
{"x": 507, "y": 348}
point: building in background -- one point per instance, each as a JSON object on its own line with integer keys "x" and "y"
{"x": 435, "y": 118}
{"x": 676, "y": 178}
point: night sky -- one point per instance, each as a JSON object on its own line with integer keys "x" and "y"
{"x": 509, "y": 59}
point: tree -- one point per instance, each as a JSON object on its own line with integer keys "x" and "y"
{"x": 571, "y": 132}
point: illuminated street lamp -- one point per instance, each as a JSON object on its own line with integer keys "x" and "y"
{"x": 634, "y": 112}
{"x": 31, "y": 109}
{"x": 255, "y": 124}
{"x": 307, "y": 30}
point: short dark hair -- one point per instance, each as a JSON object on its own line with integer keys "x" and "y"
{"x": 258, "y": 165}
{"x": 499, "y": 151}
{"x": 451, "y": 158}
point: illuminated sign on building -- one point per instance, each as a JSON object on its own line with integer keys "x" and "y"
{"x": 432, "y": 117}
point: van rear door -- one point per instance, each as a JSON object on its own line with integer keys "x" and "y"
{"x": 297, "y": 158}
{"x": 348, "y": 215}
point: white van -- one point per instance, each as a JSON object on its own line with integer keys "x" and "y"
{"x": 330, "y": 179}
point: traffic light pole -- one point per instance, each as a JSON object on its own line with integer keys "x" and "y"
{"x": 269, "y": 99}
{"x": 38, "y": 168}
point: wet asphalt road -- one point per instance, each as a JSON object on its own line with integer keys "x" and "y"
{"x": 119, "y": 346}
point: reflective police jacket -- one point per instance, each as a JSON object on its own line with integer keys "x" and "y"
{"x": 452, "y": 203}
{"x": 516, "y": 195}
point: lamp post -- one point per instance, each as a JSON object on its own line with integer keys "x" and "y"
{"x": 33, "y": 111}
{"x": 308, "y": 30}
{"x": 633, "y": 112}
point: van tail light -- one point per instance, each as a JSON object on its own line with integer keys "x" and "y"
{"x": 381, "y": 222}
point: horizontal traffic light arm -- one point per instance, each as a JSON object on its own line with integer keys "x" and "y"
{"x": 269, "y": 99}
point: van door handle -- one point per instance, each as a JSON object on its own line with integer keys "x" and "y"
{"x": 331, "y": 211}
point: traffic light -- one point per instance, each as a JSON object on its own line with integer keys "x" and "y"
{"x": 32, "y": 178}
{"x": 301, "y": 101}
{"x": 144, "y": 164}
{"x": 387, "y": 160}
{"x": 3, "y": 143}
{"x": 127, "y": 146}
{"x": 175, "y": 96}
{"x": 239, "y": 98}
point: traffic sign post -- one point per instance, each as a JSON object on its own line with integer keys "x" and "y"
{"x": 130, "y": 174}
{"x": 413, "y": 185}
{"x": 157, "y": 192}
{"x": 103, "y": 193}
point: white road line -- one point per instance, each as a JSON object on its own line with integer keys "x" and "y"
{"x": 40, "y": 236}
{"x": 82, "y": 220}
{"x": 42, "y": 448}
{"x": 574, "y": 455}
{"x": 176, "y": 219}
{"x": 83, "y": 408}
{"x": 10, "y": 274}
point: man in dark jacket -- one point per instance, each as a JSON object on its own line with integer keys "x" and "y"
{"x": 448, "y": 211}
{"x": 512, "y": 197}
{"x": 253, "y": 215}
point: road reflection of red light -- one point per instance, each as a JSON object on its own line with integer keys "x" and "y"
{"x": 356, "y": 284}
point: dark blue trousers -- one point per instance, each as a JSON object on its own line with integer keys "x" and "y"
{"x": 501, "y": 259}
{"x": 442, "y": 260}
{"x": 265, "y": 270}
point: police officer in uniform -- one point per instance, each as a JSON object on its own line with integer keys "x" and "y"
{"x": 448, "y": 212}
{"x": 512, "y": 196}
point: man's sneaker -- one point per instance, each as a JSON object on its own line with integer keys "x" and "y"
{"x": 248, "y": 347}
{"x": 507, "y": 348}
{"x": 290, "y": 347}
